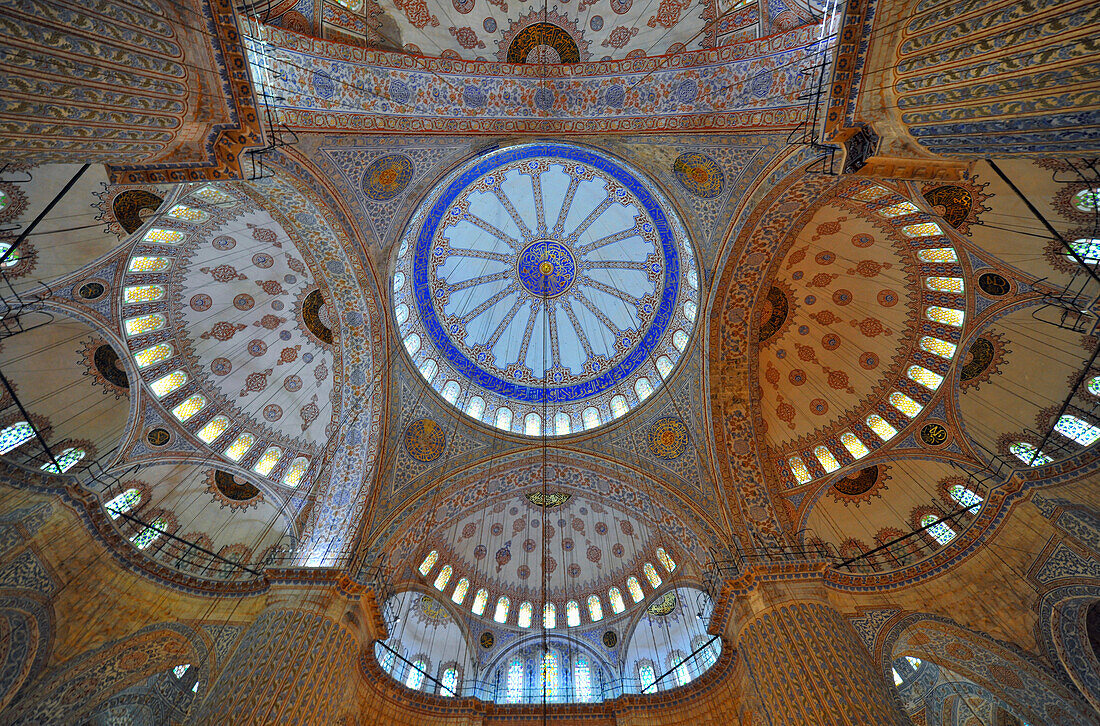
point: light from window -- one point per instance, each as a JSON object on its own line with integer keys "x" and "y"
{"x": 947, "y": 316}
{"x": 561, "y": 423}
{"x": 914, "y": 662}
{"x": 428, "y": 369}
{"x": 664, "y": 366}
{"x": 155, "y": 354}
{"x": 904, "y": 404}
{"x": 504, "y": 418}
{"x": 591, "y": 417}
{"x": 616, "y": 597}
{"x": 142, "y": 293}
{"x": 481, "y": 599}
{"x": 428, "y": 563}
{"x": 123, "y": 502}
{"x": 147, "y": 536}
{"x": 501, "y": 614}
{"x": 582, "y": 679}
{"x": 941, "y": 531}
{"x": 212, "y": 195}
{"x": 1026, "y": 453}
{"x": 938, "y": 254}
{"x": 551, "y": 678}
{"x": 1094, "y": 386}
{"x": 189, "y": 407}
{"x": 898, "y": 210}
{"x": 869, "y": 193}
{"x": 449, "y": 682}
{"x": 1087, "y": 200}
{"x": 549, "y": 616}
{"x": 68, "y": 459}
{"x": 240, "y": 446}
{"x": 595, "y": 609}
{"x": 148, "y": 264}
{"x": 635, "y": 589}
{"x": 476, "y": 407}
{"x": 681, "y": 673}
{"x": 925, "y": 377}
{"x": 145, "y": 324}
{"x": 709, "y": 657}
{"x": 828, "y": 461}
{"x": 646, "y": 676}
{"x": 514, "y": 692}
{"x": 443, "y": 577}
{"x": 643, "y": 388}
{"x": 854, "y": 446}
{"x": 296, "y": 471}
{"x": 416, "y": 675}
{"x": 401, "y": 312}
{"x": 881, "y": 427}
{"x": 398, "y": 281}
{"x": 532, "y": 424}
{"x": 798, "y": 468}
{"x": 666, "y": 562}
{"x": 15, "y": 436}
{"x": 964, "y": 496}
{"x": 450, "y": 391}
{"x": 214, "y": 428}
{"x": 690, "y": 310}
{"x": 460, "y": 591}
{"x": 944, "y": 284}
{"x": 163, "y": 236}
{"x": 412, "y": 343}
{"x": 928, "y": 229}
{"x": 166, "y": 384}
{"x": 897, "y": 678}
{"x": 680, "y": 340}
{"x": 268, "y": 461}
{"x": 523, "y": 620}
{"x": 651, "y": 575}
{"x": 1074, "y": 428}
{"x": 1087, "y": 248}
{"x": 13, "y": 258}
{"x": 937, "y": 347}
{"x": 572, "y": 614}
{"x": 618, "y": 405}
{"x": 186, "y": 213}
{"x": 179, "y": 670}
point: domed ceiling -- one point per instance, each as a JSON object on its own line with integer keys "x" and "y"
{"x": 545, "y": 289}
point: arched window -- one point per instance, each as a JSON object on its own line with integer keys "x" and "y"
{"x": 532, "y": 424}
{"x": 1087, "y": 248}
{"x": 616, "y": 597}
{"x": 947, "y": 316}
{"x": 514, "y": 682}
{"x": 666, "y": 562}
{"x": 595, "y": 609}
{"x": 680, "y": 672}
{"x": 501, "y": 614}
{"x": 449, "y": 682}
{"x": 940, "y": 532}
{"x": 664, "y": 366}
{"x": 590, "y": 417}
{"x": 582, "y": 679}
{"x": 460, "y": 591}
{"x": 147, "y": 536}
{"x": 549, "y": 616}
{"x": 572, "y": 614}
{"x": 154, "y": 354}
{"x": 145, "y": 324}
{"x": 1026, "y": 453}
{"x": 798, "y": 468}
{"x": 904, "y": 404}
{"x": 68, "y": 459}
{"x": 964, "y": 496}
{"x": 643, "y": 388}
{"x": 412, "y": 343}
{"x": 266, "y": 463}
{"x": 15, "y": 435}
{"x": 707, "y": 657}
{"x": 179, "y": 670}
{"x": 476, "y": 407}
{"x": 562, "y": 425}
{"x": 680, "y": 340}
{"x": 634, "y": 589}
{"x": 504, "y": 418}
{"x": 216, "y": 426}
{"x": 618, "y": 406}
{"x": 142, "y": 294}
{"x": 428, "y": 369}
{"x": 1080, "y": 431}
{"x": 147, "y": 264}
{"x": 551, "y": 676}
{"x": 415, "y": 677}
{"x": 881, "y": 427}
{"x": 481, "y": 599}
{"x": 646, "y": 676}
{"x": 828, "y": 461}
{"x": 387, "y": 660}
{"x": 925, "y": 377}
{"x": 854, "y": 446}
{"x": 1093, "y": 386}
{"x": 240, "y": 446}
{"x": 937, "y": 347}
{"x": 524, "y": 618}
{"x": 944, "y": 284}
{"x": 443, "y": 577}
{"x": 168, "y": 383}
{"x": 450, "y": 391}
{"x": 651, "y": 575}
{"x": 428, "y": 563}
{"x": 123, "y": 502}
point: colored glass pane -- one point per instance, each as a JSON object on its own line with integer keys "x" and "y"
{"x": 572, "y": 614}
{"x": 664, "y": 366}
{"x": 398, "y": 281}
{"x": 149, "y": 264}
{"x": 1087, "y": 200}
{"x": 268, "y": 461}
{"x": 15, "y": 435}
{"x": 944, "y": 284}
{"x": 643, "y": 388}
{"x": 904, "y": 404}
{"x": 179, "y": 670}
{"x": 443, "y": 577}
{"x": 651, "y": 575}
{"x": 5, "y": 200}
{"x": 561, "y": 423}
{"x": 897, "y": 678}
{"x": 708, "y": 657}
{"x": 615, "y": 595}
{"x": 450, "y": 391}
{"x": 854, "y": 446}
{"x": 690, "y": 310}
{"x": 941, "y": 531}
{"x": 881, "y": 427}
{"x": 460, "y": 591}
{"x": 914, "y": 662}
{"x": 428, "y": 563}
{"x": 428, "y": 369}
{"x": 476, "y": 407}
{"x": 195, "y": 688}
{"x": 798, "y": 468}
{"x": 963, "y": 496}
{"x": 680, "y": 340}
{"x": 514, "y": 681}
{"x": 635, "y": 589}
{"x": 582, "y": 679}
{"x": 401, "y": 312}
{"x": 1094, "y": 386}
{"x": 189, "y": 407}
{"x": 551, "y": 677}
{"x": 240, "y": 446}
{"x": 1026, "y": 453}
{"x": 214, "y": 428}
{"x": 681, "y": 672}
{"x": 828, "y": 461}
{"x": 591, "y": 417}
{"x": 947, "y": 316}
{"x": 549, "y": 616}
{"x": 68, "y": 459}
{"x": 145, "y": 324}
{"x": 154, "y": 354}
{"x": 481, "y": 599}
{"x": 938, "y": 254}
{"x": 501, "y": 613}
{"x": 1074, "y": 428}
{"x": 869, "y": 193}
{"x": 13, "y": 258}
{"x": 667, "y": 562}
{"x": 927, "y": 229}
{"x": 937, "y": 347}
{"x": 618, "y": 406}
{"x": 1087, "y": 248}
{"x": 595, "y": 608}
{"x": 412, "y": 343}
{"x": 504, "y": 418}
{"x": 646, "y": 676}
{"x": 925, "y": 377}
{"x": 168, "y": 383}
{"x": 388, "y": 659}
{"x": 123, "y": 502}
{"x": 523, "y": 618}
{"x": 415, "y": 677}
{"x": 448, "y": 684}
{"x": 212, "y": 195}
{"x": 163, "y": 236}
{"x": 186, "y": 213}
{"x": 296, "y": 471}
{"x": 147, "y": 536}
{"x": 898, "y": 210}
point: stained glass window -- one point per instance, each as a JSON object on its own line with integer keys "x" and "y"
{"x": 854, "y": 446}
{"x": 646, "y": 676}
{"x": 898, "y": 210}
{"x": 532, "y": 424}
{"x": 828, "y": 461}
{"x": 1026, "y": 453}
{"x": 13, "y": 258}
{"x": 268, "y": 461}
{"x": 145, "y": 324}
{"x": 189, "y": 407}
{"x": 1087, "y": 249}
{"x": 667, "y": 562}
{"x": 643, "y": 388}
{"x": 944, "y": 284}
{"x": 398, "y": 281}
{"x": 123, "y": 502}
{"x": 154, "y": 354}
{"x": 927, "y": 229}
{"x": 615, "y": 595}
{"x": 523, "y": 619}
{"x": 142, "y": 293}
{"x": 904, "y": 404}
{"x": 401, "y": 312}
{"x": 504, "y": 418}
{"x": 618, "y": 406}
{"x": 964, "y": 496}
{"x": 690, "y": 310}
{"x": 1094, "y": 386}
{"x": 582, "y": 679}
{"x": 680, "y": 340}
{"x": 549, "y": 616}
{"x": 214, "y": 428}
{"x": 501, "y": 614}
{"x": 708, "y": 656}
{"x": 186, "y": 213}
{"x": 635, "y": 589}
{"x": 937, "y": 347}
{"x": 460, "y": 591}
{"x": 938, "y": 254}
{"x": 869, "y": 194}
{"x": 591, "y": 417}
{"x": 443, "y": 577}
{"x": 212, "y": 195}
{"x": 179, "y": 670}
{"x": 940, "y": 532}
{"x": 412, "y": 343}
{"x": 296, "y": 471}
{"x": 240, "y": 446}
{"x": 514, "y": 682}
{"x": 476, "y": 407}
{"x": 450, "y": 391}
{"x": 595, "y": 608}
{"x": 881, "y": 427}
{"x": 428, "y": 369}
{"x": 897, "y": 678}
{"x": 551, "y": 677}
{"x": 15, "y": 435}
{"x": 925, "y": 377}
{"x": 149, "y": 264}
{"x": 572, "y": 614}
{"x": 561, "y": 423}
{"x": 415, "y": 677}
{"x": 166, "y": 384}
{"x": 947, "y": 316}
{"x": 481, "y": 599}
{"x": 68, "y": 459}
{"x": 428, "y": 563}
{"x": 664, "y": 366}
{"x": 147, "y": 536}
{"x": 1087, "y": 200}
{"x": 681, "y": 672}
{"x": 164, "y": 236}
{"x": 651, "y": 575}
{"x": 449, "y": 682}
{"x": 1074, "y": 428}
{"x": 387, "y": 661}
{"x": 798, "y": 468}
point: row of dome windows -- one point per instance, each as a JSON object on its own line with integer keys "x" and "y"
{"x": 1068, "y": 426}
{"x": 127, "y": 501}
{"x": 549, "y": 612}
{"x": 20, "y": 432}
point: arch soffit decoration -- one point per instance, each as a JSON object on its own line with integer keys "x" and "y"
{"x": 458, "y": 616}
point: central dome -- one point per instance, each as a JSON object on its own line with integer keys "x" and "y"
{"x": 545, "y": 288}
